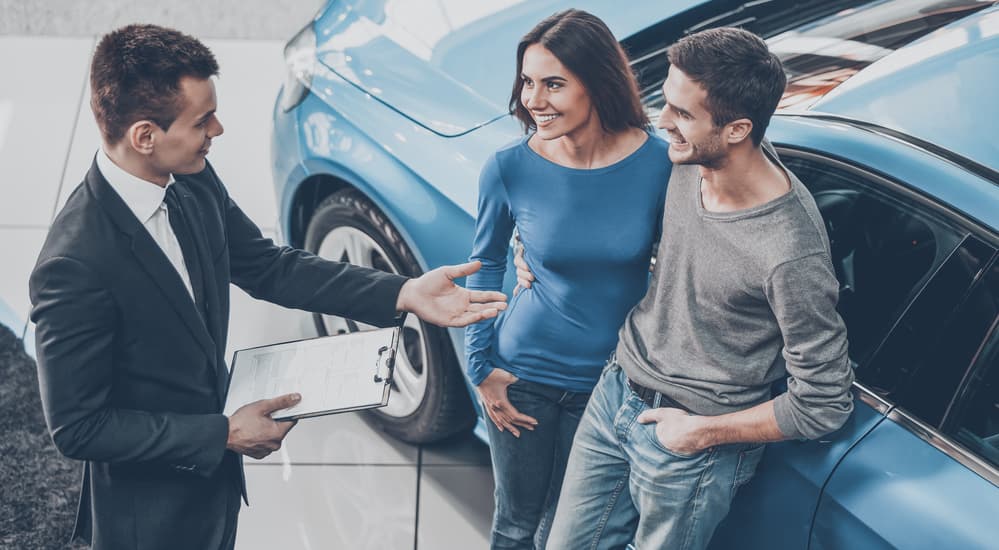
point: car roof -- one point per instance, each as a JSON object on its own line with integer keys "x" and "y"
{"x": 941, "y": 89}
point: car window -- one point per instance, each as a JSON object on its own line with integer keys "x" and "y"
{"x": 975, "y": 423}
{"x": 883, "y": 249}
{"x": 820, "y": 56}
{"x": 647, "y": 49}
{"x": 921, "y": 364}
{"x": 929, "y": 351}
{"x": 821, "y": 44}
{"x": 912, "y": 293}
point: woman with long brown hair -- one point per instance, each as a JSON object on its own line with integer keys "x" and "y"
{"x": 585, "y": 189}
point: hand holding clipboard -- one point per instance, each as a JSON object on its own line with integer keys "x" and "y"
{"x": 333, "y": 374}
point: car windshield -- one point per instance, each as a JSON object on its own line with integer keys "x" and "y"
{"x": 821, "y": 55}
{"x": 821, "y": 50}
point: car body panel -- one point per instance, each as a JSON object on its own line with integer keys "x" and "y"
{"x": 944, "y": 504}
{"x": 941, "y": 88}
{"x": 380, "y": 48}
{"x": 915, "y": 168}
{"x": 391, "y": 157}
{"x": 789, "y": 481}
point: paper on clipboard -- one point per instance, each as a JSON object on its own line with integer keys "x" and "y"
{"x": 340, "y": 373}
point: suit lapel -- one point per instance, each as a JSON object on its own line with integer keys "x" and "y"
{"x": 152, "y": 259}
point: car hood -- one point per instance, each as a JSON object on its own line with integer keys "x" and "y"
{"x": 448, "y": 65}
{"x": 941, "y": 89}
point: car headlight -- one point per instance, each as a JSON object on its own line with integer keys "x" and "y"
{"x": 300, "y": 60}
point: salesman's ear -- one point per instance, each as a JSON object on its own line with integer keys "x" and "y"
{"x": 141, "y": 136}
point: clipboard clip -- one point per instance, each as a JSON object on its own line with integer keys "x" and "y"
{"x": 385, "y": 364}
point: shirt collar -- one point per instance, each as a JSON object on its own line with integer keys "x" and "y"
{"x": 142, "y": 197}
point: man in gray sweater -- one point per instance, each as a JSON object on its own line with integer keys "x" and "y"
{"x": 743, "y": 294}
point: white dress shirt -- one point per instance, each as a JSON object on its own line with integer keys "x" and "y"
{"x": 145, "y": 200}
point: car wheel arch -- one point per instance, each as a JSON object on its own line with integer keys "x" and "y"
{"x": 316, "y": 187}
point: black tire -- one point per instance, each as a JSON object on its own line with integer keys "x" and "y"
{"x": 445, "y": 408}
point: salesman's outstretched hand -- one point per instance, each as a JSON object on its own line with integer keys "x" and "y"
{"x": 253, "y": 433}
{"x": 435, "y": 298}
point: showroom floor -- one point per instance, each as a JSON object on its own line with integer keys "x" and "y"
{"x": 338, "y": 482}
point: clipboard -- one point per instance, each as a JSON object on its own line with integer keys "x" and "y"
{"x": 334, "y": 374}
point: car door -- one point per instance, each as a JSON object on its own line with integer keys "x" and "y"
{"x": 775, "y": 510}
{"x": 887, "y": 250}
{"x": 927, "y": 476}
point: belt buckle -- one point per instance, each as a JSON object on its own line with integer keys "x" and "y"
{"x": 647, "y": 395}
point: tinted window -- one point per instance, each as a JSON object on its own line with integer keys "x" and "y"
{"x": 976, "y": 420}
{"x": 647, "y": 49}
{"x": 883, "y": 250}
{"x": 821, "y": 43}
{"x": 928, "y": 353}
{"x": 821, "y": 55}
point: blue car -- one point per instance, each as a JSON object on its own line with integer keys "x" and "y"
{"x": 390, "y": 109}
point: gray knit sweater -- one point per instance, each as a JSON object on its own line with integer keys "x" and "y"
{"x": 737, "y": 301}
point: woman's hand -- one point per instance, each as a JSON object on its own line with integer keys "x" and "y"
{"x": 492, "y": 391}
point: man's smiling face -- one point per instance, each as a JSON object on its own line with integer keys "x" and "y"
{"x": 693, "y": 136}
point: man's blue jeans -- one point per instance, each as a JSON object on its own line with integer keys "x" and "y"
{"x": 528, "y": 470}
{"x": 622, "y": 485}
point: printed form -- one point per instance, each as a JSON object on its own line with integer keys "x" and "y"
{"x": 332, "y": 373}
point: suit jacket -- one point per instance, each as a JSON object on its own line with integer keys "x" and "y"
{"x": 132, "y": 375}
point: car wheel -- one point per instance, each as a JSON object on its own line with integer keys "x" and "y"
{"x": 429, "y": 399}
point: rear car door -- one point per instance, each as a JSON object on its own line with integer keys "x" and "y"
{"x": 927, "y": 476}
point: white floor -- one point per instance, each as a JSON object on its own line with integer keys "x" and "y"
{"x": 338, "y": 482}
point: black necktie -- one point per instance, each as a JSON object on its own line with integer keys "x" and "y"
{"x": 182, "y": 230}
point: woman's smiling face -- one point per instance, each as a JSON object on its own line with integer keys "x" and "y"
{"x": 555, "y": 97}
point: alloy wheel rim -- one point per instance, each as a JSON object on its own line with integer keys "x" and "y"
{"x": 409, "y": 384}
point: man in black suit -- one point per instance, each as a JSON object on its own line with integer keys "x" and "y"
{"x": 131, "y": 300}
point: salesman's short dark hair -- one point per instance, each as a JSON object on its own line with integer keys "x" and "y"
{"x": 135, "y": 75}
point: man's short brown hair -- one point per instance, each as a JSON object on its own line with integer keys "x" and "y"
{"x": 135, "y": 75}
{"x": 742, "y": 77}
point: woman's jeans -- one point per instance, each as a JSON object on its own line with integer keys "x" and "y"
{"x": 528, "y": 470}
{"x": 622, "y": 485}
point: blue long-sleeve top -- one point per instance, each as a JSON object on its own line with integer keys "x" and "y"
{"x": 588, "y": 236}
